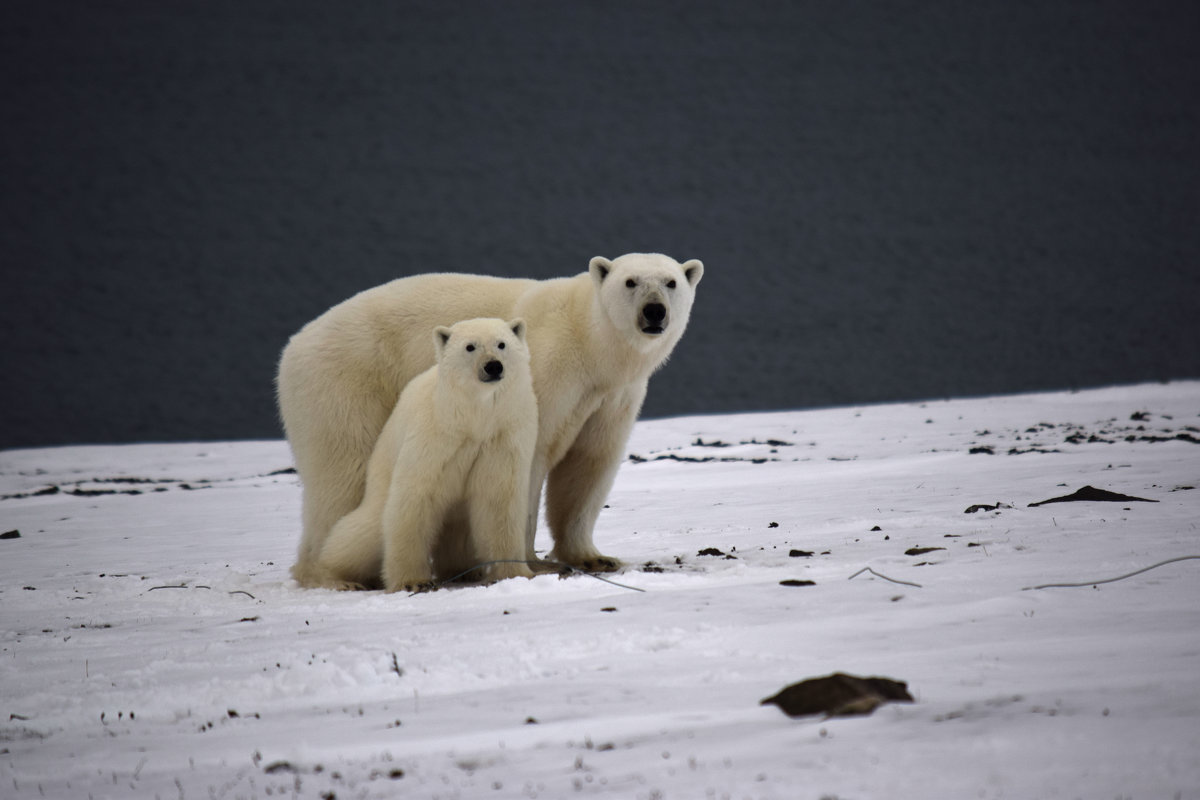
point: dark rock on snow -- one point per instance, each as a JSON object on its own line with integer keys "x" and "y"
{"x": 838, "y": 695}
{"x": 1091, "y": 493}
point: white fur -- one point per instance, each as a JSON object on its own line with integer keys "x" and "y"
{"x": 593, "y": 350}
{"x": 447, "y": 483}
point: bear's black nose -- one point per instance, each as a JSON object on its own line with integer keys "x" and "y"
{"x": 493, "y": 369}
{"x": 655, "y": 312}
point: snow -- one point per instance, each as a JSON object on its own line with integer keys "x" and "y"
{"x": 153, "y": 644}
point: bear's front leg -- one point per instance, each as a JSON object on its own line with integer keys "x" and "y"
{"x": 498, "y": 502}
{"x": 579, "y": 484}
{"x": 537, "y": 479}
{"x": 412, "y": 520}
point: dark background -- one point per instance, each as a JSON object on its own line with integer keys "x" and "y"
{"x": 893, "y": 200}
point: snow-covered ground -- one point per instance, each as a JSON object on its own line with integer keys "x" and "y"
{"x": 154, "y": 646}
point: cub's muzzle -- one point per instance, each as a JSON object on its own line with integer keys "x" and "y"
{"x": 492, "y": 371}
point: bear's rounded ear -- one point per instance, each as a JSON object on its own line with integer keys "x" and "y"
{"x": 599, "y": 267}
{"x": 693, "y": 270}
{"x": 518, "y": 328}
{"x": 441, "y": 335}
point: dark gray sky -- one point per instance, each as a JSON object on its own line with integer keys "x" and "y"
{"x": 893, "y": 200}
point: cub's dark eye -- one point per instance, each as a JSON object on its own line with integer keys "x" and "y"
{"x": 500, "y": 346}
{"x": 631, "y": 283}
{"x": 470, "y": 348}
{"x": 670, "y": 284}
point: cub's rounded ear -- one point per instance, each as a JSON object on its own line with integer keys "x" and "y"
{"x": 693, "y": 270}
{"x": 441, "y": 335}
{"x": 599, "y": 267}
{"x": 518, "y": 328}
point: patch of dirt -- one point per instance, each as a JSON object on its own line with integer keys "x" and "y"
{"x": 636, "y": 459}
{"x": 712, "y": 551}
{"x": 985, "y": 507}
{"x": 98, "y": 487}
{"x": 1047, "y": 437}
{"x": 752, "y": 452}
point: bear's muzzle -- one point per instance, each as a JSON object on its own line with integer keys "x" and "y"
{"x": 492, "y": 371}
{"x": 653, "y": 319}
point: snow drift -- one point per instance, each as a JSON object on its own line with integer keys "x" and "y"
{"x": 153, "y": 644}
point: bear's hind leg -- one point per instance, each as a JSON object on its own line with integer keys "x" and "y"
{"x": 331, "y": 436}
{"x": 351, "y": 557}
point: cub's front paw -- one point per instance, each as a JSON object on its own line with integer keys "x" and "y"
{"x": 401, "y": 575}
{"x": 319, "y": 577}
{"x": 348, "y": 586}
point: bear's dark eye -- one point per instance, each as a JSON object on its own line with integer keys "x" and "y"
{"x": 670, "y": 284}
{"x": 631, "y": 283}
{"x": 500, "y": 346}
{"x": 470, "y": 348}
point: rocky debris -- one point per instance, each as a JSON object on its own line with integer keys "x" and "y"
{"x": 1092, "y": 494}
{"x": 838, "y": 695}
{"x": 977, "y": 507}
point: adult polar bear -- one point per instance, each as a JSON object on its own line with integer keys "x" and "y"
{"x": 594, "y": 339}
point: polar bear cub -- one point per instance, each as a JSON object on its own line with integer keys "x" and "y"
{"x": 448, "y": 481}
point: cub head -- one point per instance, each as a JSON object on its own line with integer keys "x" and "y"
{"x": 647, "y": 297}
{"x": 483, "y": 352}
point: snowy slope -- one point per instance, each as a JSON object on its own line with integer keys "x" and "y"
{"x": 153, "y": 645}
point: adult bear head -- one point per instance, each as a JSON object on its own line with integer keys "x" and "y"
{"x": 646, "y": 296}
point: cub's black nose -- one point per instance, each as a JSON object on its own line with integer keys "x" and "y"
{"x": 494, "y": 370}
{"x": 655, "y": 312}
